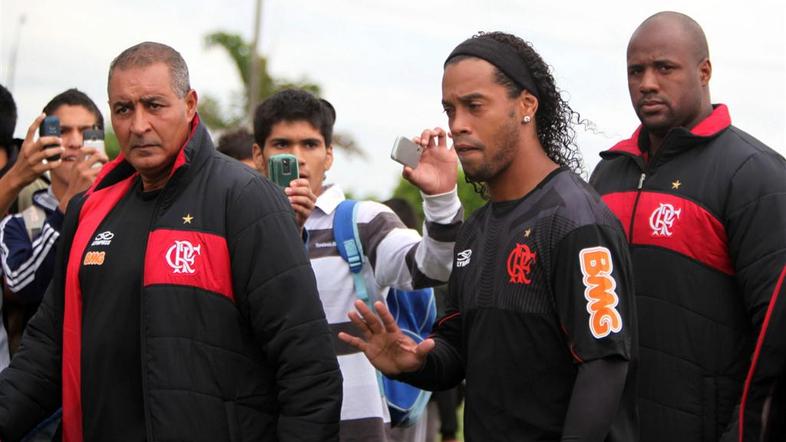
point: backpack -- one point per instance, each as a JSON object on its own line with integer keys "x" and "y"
{"x": 414, "y": 311}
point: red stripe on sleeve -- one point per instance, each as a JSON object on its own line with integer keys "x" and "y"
{"x": 757, "y": 351}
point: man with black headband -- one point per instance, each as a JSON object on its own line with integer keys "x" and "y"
{"x": 704, "y": 207}
{"x": 539, "y": 318}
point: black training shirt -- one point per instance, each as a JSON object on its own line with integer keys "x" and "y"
{"x": 539, "y": 285}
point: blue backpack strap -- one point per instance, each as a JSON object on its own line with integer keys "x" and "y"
{"x": 345, "y": 232}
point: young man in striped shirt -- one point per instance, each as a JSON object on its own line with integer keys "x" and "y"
{"x": 297, "y": 123}
{"x": 28, "y": 239}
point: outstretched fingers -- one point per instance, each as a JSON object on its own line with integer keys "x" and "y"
{"x": 387, "y": 319}
{"x": 353, "y": 341}
{"x": 366, "y": 320}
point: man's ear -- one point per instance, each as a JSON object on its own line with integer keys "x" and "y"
{"x": 328, "y": 157}
{"x": 191, "y": 104}
{"x": 705, "y": 72}
{"x": 527, "y": 105}
{"x": 260, "y": 162}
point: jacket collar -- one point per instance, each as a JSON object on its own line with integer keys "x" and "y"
{"x": 191, "y": 154}
{"x": 710, "y": 127}
{"x": 330, "y": 197}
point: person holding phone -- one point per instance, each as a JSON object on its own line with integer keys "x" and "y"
{"x": 539, "y": 317}
{"x": 28, "y": 240}
{"x": 297, "y": 123}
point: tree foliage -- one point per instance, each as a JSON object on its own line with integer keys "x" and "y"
{"x": 240, "y": 53}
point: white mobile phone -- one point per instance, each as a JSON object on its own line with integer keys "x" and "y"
{"x": 94, "y": 138}
{"x": 406, "y": 152}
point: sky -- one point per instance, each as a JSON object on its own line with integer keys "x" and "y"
{"x": 380, "y": 62}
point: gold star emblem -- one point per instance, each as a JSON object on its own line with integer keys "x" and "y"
{"x": 527, "y": 232}
{"x": 676, "y": 184}
{"x": 187, "y": 219}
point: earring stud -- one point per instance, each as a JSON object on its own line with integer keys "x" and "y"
{"x": 526, "y": 119}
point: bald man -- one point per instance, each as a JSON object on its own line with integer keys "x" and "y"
{"x": 704, "y": 208}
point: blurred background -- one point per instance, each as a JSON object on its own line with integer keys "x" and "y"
{"x": 380, "y": 63}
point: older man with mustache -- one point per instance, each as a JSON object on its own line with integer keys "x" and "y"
{"x": 183, "y": 306}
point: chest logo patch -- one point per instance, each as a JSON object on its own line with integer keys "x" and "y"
{"x": 600, "y": 291}
{"x": 94, "y": 258}
{"x": 103, "y": 239}
{"x": 182, "y": 255}
{"x": 463, "y": 257}
{"x": 662, "y": 219}
{"x": 520, "y": 261}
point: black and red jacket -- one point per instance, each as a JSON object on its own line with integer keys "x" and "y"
{"x": 237, "y": 348}
{"x": 705, "y": 217}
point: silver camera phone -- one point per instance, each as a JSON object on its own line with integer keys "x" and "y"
{"x": 406, "y": 152}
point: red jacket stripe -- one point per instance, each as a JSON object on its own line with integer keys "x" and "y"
{"x": 183, "y": 257}
{"x": 674, "y": 223}
{"x": 621, "y": 203}
{"x": 757, "y": 352}
{"x": 94, "y": 210}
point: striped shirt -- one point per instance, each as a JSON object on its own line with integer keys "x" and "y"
{"x": 5, "y": 357}
{"x": 394, "y": 256}
{"x": 28, "y": 264}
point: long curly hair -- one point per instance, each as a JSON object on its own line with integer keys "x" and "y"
{"x": 554, "y": 118}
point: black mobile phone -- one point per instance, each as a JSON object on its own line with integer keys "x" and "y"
{"x": 282, "y": 169}
{"x": 50, "y": 127}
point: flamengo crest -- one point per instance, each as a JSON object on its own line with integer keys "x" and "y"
{"x": 519, "y": 264}
{"x": 662, "y": 219}
{"x": 181, "y": 255}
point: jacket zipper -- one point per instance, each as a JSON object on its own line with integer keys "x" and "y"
{"x": 142, "y": 340}
{"x": 635, "y": 205}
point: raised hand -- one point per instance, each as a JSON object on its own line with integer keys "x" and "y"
{"x": 31, "y": 162}
{"x": 386, "y": 347}
{"x": 83, "y": 174}
{"x": 438, "y": 168}
{"x": 302, "y": 199}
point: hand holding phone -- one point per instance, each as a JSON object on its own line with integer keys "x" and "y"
{"x": 437, "y": 167}
{"x": 50, "y": 127}
{"x": 406, "y": 152}
{"x": 282, "y": 169}
{"x": 94, "y": 138}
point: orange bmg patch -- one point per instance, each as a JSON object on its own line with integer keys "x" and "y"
{"x": 94, "y": 258}
{"x": 602, "y": 299}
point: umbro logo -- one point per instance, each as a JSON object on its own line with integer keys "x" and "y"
{"x": 103, "y": 239}
{"x": 463, "y": 257}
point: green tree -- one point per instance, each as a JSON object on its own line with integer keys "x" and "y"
{"x": 466, "y": 193}
{"x": 111, "y": 145}
{"x": 239, "y": 51}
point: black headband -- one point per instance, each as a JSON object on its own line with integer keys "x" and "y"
{"x": 502, "y": 56}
